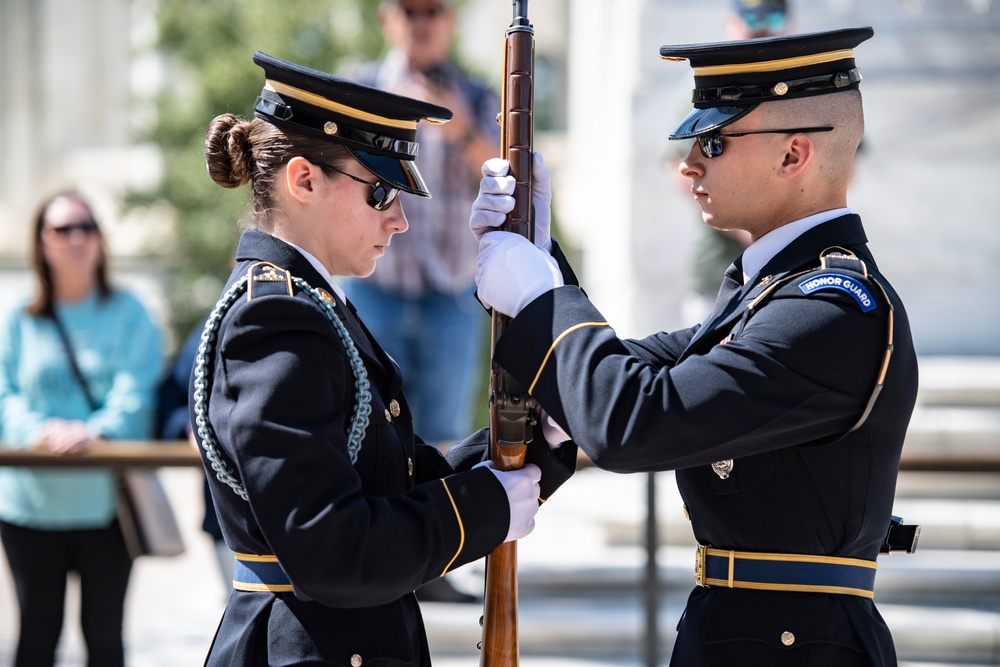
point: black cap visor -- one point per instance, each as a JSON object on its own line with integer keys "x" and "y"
{"x": 705, "y": 121}
{"x": 401, "y": 174}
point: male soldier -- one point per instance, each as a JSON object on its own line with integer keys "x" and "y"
{"x": 713, "y": 250}
{"x": 783, "y": 412}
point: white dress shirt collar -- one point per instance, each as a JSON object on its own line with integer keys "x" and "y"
{"x": 322, "y": 271}
{"x": 767, "y": 246}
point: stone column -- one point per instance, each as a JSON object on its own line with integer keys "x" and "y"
{"x": 20, "y": 39}
{"x": 624, "y": 207}
{"x": 65, "y": 69}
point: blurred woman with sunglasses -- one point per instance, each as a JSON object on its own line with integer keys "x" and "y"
{"x": 79, "y": 362}
{"x": 335, "y": 510}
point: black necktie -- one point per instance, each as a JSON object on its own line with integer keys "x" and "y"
{"x": 731, "y": 283}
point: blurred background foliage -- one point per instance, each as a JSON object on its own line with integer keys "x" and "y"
{"x": 207, "y": 50}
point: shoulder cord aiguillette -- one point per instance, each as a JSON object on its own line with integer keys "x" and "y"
{"x": 202, "y": 381}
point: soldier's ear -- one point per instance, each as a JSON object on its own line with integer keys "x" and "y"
{"x": 799, "y": 150}
{"x": 301, "y": 178}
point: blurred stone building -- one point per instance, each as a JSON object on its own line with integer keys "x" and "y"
{"x": 77, "y": 76}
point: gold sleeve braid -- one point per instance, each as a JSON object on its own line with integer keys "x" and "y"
{"x": 558, "y": 340}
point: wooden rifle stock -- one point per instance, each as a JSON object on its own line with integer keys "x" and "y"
{"x": 511, "y": 415}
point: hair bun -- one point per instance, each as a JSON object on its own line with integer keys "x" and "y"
{"x": 228, "y": 151}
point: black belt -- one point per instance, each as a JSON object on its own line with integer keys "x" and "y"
{"x": 259, "y": 573}
{"x": 785, "y": 572}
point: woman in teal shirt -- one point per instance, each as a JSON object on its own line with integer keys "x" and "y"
{"x": 55, "y": 521}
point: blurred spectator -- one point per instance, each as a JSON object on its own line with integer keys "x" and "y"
{"x": 714, "y": 250}
{"x": 79, "y": 362}
{"x": 419, "y": 303}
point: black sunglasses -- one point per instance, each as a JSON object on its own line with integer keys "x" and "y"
{"x": 86, "y": 227}
{"x": 431, "y": 13}
{"x": 711, "y": 144}
{"x": 382, "y": 195}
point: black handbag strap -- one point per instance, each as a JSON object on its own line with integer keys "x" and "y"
{"x": 73, "y": 366}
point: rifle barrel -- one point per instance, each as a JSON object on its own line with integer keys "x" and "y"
{"x": 511, "y": 417}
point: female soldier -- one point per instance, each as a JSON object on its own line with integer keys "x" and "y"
{"x": 335, "y": 510}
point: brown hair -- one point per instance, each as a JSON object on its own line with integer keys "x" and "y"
{"x": 238, "y": 151}
{"x": 44, "y": 303}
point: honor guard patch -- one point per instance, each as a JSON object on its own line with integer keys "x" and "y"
{"x": 838, "y": 281}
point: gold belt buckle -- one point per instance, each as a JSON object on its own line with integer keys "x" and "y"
{"x": 699, "y": 566}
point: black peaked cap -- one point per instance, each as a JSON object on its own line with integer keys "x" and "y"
{"x": 378, "y": 128}
{"x": 732, "y": 78}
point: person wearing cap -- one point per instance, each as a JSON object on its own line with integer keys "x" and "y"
{"x": 336, "y": 511}
{"x": 419, "y": 302}
{"x": 713, "y": 249}
{"x": 784, "y": 412}
{"x": 757, "y": 18}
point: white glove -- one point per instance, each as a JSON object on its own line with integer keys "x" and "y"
{"x": 513, "y": 272}
{"x": 541, "y": 197}
{"x": 522, "y": 493}
{"x": 496, "y": 199}
{"x": 553, "y": 433}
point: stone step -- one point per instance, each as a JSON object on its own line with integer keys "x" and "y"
{"x": 930, "y": 575}
{"x": 959, "y": 381}
{"x": 953, "y": 429}
{"x": 963, "y": 524}
{"x": 581, "y": 599}
{"x": 549, "y": 661}
{"x": 610, "y": 630}
{"x": 958, "y": 511}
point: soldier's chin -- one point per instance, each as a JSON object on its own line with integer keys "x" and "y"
{"x": 367, "y": 271}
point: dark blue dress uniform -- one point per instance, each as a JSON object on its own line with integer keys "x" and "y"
{"x": 331, "y": 540}
{"x": 354, "y": 540}
{"x": 784, "y": 416}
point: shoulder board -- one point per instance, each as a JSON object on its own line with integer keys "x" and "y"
{"x": 844, "y": 272}
{"x": 265, "y": 278}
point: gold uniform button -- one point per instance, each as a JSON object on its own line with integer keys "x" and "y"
{"x": 394, "y": 407}
{"x": 409, "y": 466}
{"x": 388, "y": 417}
{"x": 787, "y": 638}
{"x": 356, "y": 660}
{"x": 326, "y": 296}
